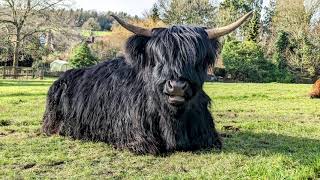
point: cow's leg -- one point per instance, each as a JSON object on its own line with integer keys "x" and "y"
{"x": 52, "y": 120}
{"x": 212, "y": 134}
{"x": 145, "y": 145}
{"x": 51, "y": 123}
{"x": 202, "y": 132}
{"x": 217, "y": 140}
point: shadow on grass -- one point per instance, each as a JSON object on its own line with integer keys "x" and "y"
{"x": 304, "y": 150}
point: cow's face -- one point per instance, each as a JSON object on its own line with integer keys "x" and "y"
{"x": 179, "y": 57}
{"x": 174, "y": 61}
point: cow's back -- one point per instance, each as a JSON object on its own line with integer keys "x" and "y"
{"x": 82, "y": 103}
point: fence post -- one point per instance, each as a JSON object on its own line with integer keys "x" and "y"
{"x": 4, "y": 72}
{"x": 41, "y": 73}
{"x": 33, "y": 73}
{"x": 27, "y": 73}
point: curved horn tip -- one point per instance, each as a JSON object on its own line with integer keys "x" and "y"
{"x": 251, "y": 12}
{"x": 132, "y": 28}
{"x": 114, "y": 16}
{"x": 218, "y": 32}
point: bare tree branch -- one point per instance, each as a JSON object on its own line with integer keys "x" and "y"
{"x": 6, "y": 21}
{"x": 26, "y": 18}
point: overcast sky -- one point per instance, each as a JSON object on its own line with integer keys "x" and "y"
{"x": 133, "y": 7}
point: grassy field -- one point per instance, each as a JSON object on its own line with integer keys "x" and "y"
{"x": 86, "y": 33}
{"x": 271, "y": 131}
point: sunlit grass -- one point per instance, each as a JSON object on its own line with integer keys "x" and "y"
{"x": 271, "y": 131}
{"x": 86, "y": 33}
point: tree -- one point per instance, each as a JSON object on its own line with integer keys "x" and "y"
{"x": 91, "y": 24}
{"x": 281, "y": 45}
{"x": 245, "y": 61}
{"x": 105, "y": 50}
{"x": 5, "y": 45}
{"x": 82, "y": 57}
{"x": 24, "y": 18}
{"x": 105, "y": 22}
{"x": 229, "y": 11}
{"x": 295, "y": 18}
{"x": 269, "y": 12}
{"x": 196, "y": 12}
{"x": 155, "y": 14}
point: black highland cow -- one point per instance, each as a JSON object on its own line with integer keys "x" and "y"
{"x": 150, "y": 101}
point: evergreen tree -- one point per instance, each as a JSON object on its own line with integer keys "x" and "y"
{"x": 155, "y": 15}
{"x": 196, "y": 12}
{"x": 82, "y": 56}
{"x": 230, "y": 10}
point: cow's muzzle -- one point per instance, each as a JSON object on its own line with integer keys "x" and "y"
{"x": 177, "y": 91}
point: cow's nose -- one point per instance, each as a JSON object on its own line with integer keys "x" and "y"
{"x": 176, "y": 88}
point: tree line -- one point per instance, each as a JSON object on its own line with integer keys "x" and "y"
{"x": 279, "y": 43}
{"x": 34, "y": 30}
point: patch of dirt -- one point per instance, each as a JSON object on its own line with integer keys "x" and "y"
{"x": 228, "y": 131}
{"x": 264, "y": 142}
{"x": 183, "y": 169}
{"x": 57, "y": 163}
{"x": 226, "y": 135}
{"x": 5, "y": 122}
{"x": 228, "y": 115}
{"x": 231, "y": 128}
{"x": 33, "y": 134}
{"x": 18, "y": 102}
{"x": 29, "y": 166}
{"x": 10, "y": 131}
{"x": 107, "y": 173}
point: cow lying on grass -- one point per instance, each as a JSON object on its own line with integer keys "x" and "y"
{"x": 315, "y": 93}
{"x": 149, "y": 101}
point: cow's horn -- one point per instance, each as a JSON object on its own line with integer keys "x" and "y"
{"x": 135, "y": 29}
{"x": 218, "y": 32}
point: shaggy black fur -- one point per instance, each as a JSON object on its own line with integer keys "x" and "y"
{"x": 121, "y": 101}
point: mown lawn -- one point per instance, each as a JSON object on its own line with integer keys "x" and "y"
{"x": 271, "y": 131}
{"x": 86, "y": 33}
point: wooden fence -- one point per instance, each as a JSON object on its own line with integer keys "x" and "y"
{"x": 22, "y": 72}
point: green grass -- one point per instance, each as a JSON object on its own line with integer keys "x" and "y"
{"x": 272, "y": 131}
{"x": 86, "y": 33}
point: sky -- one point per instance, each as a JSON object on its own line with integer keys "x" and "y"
{"x": 132, "y": 7}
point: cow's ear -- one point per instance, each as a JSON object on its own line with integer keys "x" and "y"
{"x": 135, "y": 50}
